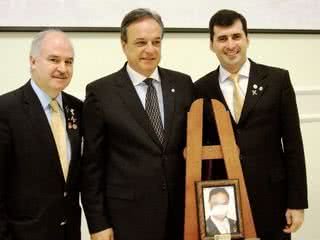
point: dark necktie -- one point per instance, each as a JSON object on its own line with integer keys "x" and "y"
{"x": 152, "y": 109}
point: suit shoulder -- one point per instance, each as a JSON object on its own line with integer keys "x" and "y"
{"x": 204, "y": 79}
{"x": 103, "y": 81}
{"x": 271, "y": 68}
{"x": 174, "y": 73}
{"x": 73, "y": 99}
{"x": 7, "y": 100}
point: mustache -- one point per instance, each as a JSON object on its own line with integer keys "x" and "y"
{"x": 61, "y": 75}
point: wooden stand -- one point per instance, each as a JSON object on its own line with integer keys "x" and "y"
{"x": 195, "y": 153}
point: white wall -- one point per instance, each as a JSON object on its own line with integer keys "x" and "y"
{"x": 98, "y": 54}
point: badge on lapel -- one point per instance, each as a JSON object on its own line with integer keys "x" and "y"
{"x": 71, "y": 119}
{"x": 256, "y": 89}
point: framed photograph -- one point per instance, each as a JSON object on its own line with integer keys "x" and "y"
{"x": 219, "y": 209}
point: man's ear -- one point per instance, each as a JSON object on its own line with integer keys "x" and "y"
{"x": 211, "y": 46}
{"x": 32, "y": 61}
{"x": 123, "y": 45}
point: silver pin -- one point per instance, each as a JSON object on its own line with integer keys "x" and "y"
{"x": 173, "y": 90}
{"x": 255, "y": 86}
{"x": 260, "y": 88}
{"x": 254, "y": 92}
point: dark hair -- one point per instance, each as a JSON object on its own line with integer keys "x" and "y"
{"x": 136, "y": 15}
{"x": 226, "y": 18}
{"x": 215, "y": 191}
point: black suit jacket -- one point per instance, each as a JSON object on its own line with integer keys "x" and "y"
{"x": 34, "y": 198}
{"x": 130, "y": 181}
{"x": 212, "y": 229}
{"x": 268, "y": 135}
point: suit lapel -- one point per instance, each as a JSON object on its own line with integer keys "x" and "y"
{"x": 168, "y": 94}
{"x": 255, "y": 90}
{"x": 40, "y": 126}
{"x": 131, "y": 99}
{"x": 72, "y": 130}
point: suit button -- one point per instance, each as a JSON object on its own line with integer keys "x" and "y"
{"x": 65, "y": 194}
{"x": 63, "y": 223}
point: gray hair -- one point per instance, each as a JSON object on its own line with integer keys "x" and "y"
{"x": 38, "y": 38}
{"x": 136, "y": 15}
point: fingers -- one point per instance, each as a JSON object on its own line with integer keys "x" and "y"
{"x": 294, "y": 219}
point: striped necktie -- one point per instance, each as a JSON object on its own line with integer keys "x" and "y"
{"x": 152, "y": 109}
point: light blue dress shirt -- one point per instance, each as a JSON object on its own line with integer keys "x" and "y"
{"x": 45, "y": 103}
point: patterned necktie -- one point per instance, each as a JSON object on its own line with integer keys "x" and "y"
{"x": 152, "y": 109}
{"x": 59, "y": 134}
{"x": 237, "y": 97}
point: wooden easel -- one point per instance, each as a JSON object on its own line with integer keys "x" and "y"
{"x": 195, "y": 153}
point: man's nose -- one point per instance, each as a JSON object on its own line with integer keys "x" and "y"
{"x": 149, "y": 47}
{"x": 62, "y": 67}
{"x": 231, "y": 43}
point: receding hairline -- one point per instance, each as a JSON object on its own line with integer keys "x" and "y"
{"x": 39, "y": 38}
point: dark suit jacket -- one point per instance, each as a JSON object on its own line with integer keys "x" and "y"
{"x": 269, "y": 138}
{"x": 212, "y": 229}
{"x": 34, "y": 198}
{"x": 130, "y": 181}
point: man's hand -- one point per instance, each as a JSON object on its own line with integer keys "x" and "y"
{"x": 294, "y": 220}
{"x": 103, "y": 235}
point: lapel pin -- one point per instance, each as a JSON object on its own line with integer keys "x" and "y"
{"x": 254, "y": 92}
{"x": 260, "y": 88}
{"x": 255, "y": 86}
{"x": 173, "y": 90}
{"x": 74, "y": 126}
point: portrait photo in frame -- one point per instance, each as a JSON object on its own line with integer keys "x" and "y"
{"x": 219, "y": 209}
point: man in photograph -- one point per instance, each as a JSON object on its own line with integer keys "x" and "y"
{"x": 218, "y": 223}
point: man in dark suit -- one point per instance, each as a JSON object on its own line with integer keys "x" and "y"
{"x": 218, "y": 222}
{"x": 133, "y": 168}
{"x": 265, "y": 120}
{"x": 39, "y": 167}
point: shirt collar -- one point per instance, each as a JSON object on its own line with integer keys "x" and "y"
{"x": 44, "y": 98}
{"x": 138, "y": 78}
{"x": 244, "y": 71}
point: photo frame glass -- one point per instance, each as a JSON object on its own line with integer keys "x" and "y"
{"x": 219, "y": 209}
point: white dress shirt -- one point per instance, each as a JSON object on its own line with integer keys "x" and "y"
{"x": 223, "y": 227}
{"x": 226, "y": 84}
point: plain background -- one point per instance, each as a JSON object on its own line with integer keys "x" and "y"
{"x": 98, "y": 54}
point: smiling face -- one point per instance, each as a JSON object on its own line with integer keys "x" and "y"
{"x": 52, "y": 67}
{"x": 143, "y": 46}
{"x": 230, "y": 44}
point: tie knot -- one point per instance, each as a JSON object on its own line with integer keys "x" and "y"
{"x": 54, "y": 105}
{"x": 148, "y": 81}
{"x": 234, "y": 77}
